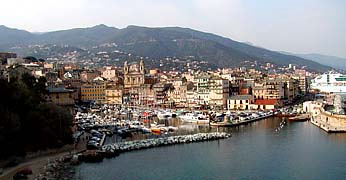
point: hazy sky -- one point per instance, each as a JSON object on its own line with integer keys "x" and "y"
{"x": 300, "y": 26}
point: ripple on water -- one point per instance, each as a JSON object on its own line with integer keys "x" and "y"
{"x": 255, "y": 151}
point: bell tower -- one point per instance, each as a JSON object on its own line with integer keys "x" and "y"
{"x": 126, "y": 68}
{"x": 141, "y": 67}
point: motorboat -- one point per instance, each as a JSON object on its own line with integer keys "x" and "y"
{"x": 165, "y": 115}
{"x": 194, "y": 118}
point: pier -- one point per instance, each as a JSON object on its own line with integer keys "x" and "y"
{"x": 112, "y": 150}
{"x": 238, "y": 123}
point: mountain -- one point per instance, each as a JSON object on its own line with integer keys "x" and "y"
{"x": 79, "y": 36}
{"x": 332, "y": 61}
{"x": 11, "y": 37}
{"x": 158, "y": 43}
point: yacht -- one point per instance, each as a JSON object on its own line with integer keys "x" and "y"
{"x": 165, "y": 115}
{"x": 194, "y": 118}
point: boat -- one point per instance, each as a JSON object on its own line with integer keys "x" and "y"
{"x": 285, "y": 115}
{"x": 194, "y": 118}
{"x": 300, "y": 118}
{"x": 146, "y": 130}
{"x": 242, "y": 119}
{"x": 330, "y": 82}
{"x": 165, "y": 115}
{"x": 155, "y": 130}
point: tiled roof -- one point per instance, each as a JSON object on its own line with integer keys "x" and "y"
{"x": 266, "y": 102}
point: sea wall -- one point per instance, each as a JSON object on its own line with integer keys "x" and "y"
{"x": 328, "y": 121}
{"x": 164, "y": 141}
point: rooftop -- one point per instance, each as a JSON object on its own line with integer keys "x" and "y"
{"x": 59, "y": 90}
{"x": 241, "y": 97}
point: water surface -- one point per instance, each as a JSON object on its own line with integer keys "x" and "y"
{"x": 256, "y": 151}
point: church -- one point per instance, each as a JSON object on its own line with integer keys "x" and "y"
{"x": 134, "y": 74}
{"x": 136, "y": 81}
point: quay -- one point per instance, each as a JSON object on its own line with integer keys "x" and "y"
{"x": 238, "y": 123}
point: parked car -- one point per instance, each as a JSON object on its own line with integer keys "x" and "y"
{"x": 19, "y": 176}
{"x": 26, "y": 171}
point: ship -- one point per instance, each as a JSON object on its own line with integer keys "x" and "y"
{"x": 330, "y": 82}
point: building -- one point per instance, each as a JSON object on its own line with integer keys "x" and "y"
{"x": 110, "y": 74}
{"x": 240, "y": 102}
{"x": 275, "y": 89}
{"x": 219, "y": 92}
{"x": 17, "y": 71}
{"x": 5, "y": 55}
{"x": 291, "y": 90}
{"x": 89, "y": 75}
{"x": 13, "y": 61}
{"x": 60, "y": 96}
{"x": 266, "y": 103}
{"x": 114, "y": 94}
{"x": 300, "y": 75}
{"x": 134, "y": 78}
{"x": 203, "y": 89}
{"x": 94, "y": 91}
{"x": 134, "y": 75}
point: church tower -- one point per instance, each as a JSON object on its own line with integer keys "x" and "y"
{"x": 126, "y": 68}
{"x": 141, "y": 67}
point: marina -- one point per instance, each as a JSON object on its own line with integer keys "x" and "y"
{"x": 255, "y": 151}
{"x": 244, "y": 120}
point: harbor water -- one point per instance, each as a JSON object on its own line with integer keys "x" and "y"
{"x": 260, "y": 150}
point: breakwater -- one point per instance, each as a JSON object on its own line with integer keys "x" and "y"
{"x": 164, "y": 141}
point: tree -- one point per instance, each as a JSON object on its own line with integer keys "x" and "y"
{"x": 27, "y": 122}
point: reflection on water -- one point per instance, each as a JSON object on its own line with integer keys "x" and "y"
{"x": 299, "y": 150}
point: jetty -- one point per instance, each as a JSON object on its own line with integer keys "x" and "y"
{"x": 112, "y": 150}
{"x": 241, "y": 122}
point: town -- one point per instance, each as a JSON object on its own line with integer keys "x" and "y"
{"x": 133, "y": 84}
{"x": 117, "y": 108}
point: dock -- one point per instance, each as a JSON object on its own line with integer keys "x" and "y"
{"x": 103, "y": 139}
{"x": 233, "y": 124}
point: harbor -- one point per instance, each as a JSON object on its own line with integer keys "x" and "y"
{"x": 255, "y": 148}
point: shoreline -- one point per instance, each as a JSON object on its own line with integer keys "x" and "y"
{"x": 38, "y": 162}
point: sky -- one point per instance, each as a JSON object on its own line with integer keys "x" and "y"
{"x": 297, "y": 26}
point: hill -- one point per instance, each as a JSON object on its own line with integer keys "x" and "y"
{"x": 332, "y": 61}
{"x": 159, "y": 43}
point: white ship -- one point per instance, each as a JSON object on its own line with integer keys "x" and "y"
{"x": 194, "y": 118}
{"x": 330, "y": 83}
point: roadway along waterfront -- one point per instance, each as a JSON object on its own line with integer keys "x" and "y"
{"x": 298, "y": 150}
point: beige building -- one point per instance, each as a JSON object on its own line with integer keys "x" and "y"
{"x": 219, "y": 92}
{"x": 203, "y": 90}
{"x": 110, "y": 73}
{"x": 89, "y": 75}
{"x": 114, "y": 95}
{"x": 270, "y": 89}
{"x": 291, "y": 90}
{"x": 134, "y": 75}
{"x": 241, "y": 102}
